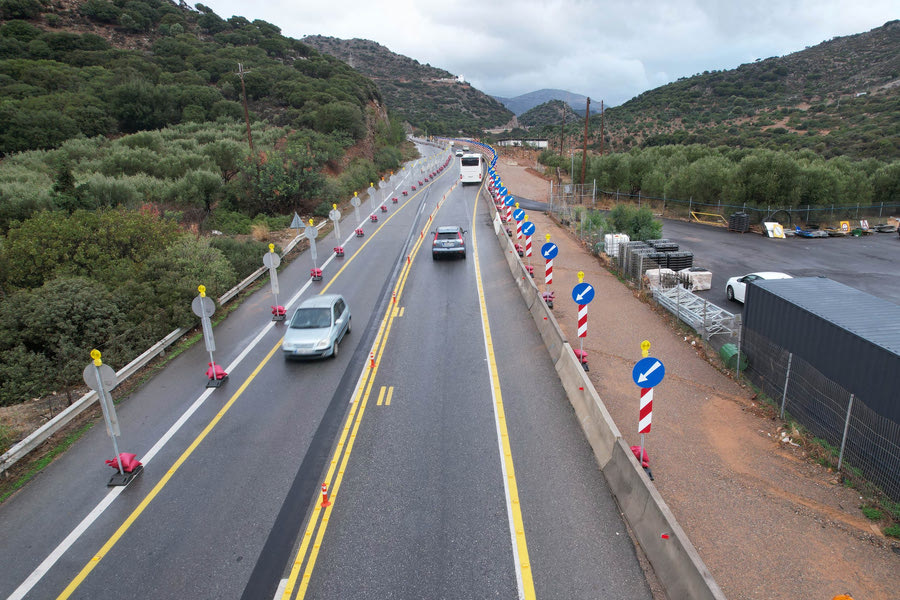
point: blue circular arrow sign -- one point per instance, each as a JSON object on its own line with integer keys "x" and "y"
{"x": 648, "y": 372}
{"x": 528, "y": 228}
{"x": 549, "y": 250}
{"x": 519, "y": 214}
{"x": 510, "y": 201}
{"x": 583, "y": 293}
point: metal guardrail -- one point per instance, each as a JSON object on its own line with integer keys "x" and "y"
{"x": 706, "y": 318}
{"x": 40, "y": 435}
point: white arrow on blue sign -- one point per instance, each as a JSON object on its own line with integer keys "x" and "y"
{"x": 519, "y": 214}
{"x": 648, "y": 372}
{"x": 583, "y": 293}
{"x": 528, "y": 228}
{"x": 549, "y": 250}
{"x": 510, "y": 201}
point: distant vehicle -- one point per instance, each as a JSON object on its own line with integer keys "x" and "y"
{"x": 471, "y": 168}
{"x": 317, "y": 327}
{"x": 449, "y": 240}
{"x": 736, "y": 287}
{"x": 465, "y": 149}
{"x": 459, "y": 153}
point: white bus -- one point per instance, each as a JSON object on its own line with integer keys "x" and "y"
{"x": 471, "y": 168}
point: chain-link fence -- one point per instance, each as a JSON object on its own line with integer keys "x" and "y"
{"x": 565, "y": 199}
{"x": 865, "y": 443}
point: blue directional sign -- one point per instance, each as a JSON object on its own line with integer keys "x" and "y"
{"x": 519, "y": 214}
{"x": 510, "y": 201}
{"x": 648, "y": 372}
{"x": 528, "y": 228}
{"x": 549, "y": 250}
{"x": 583, "y": 293}
{"x": 503, "y": 191}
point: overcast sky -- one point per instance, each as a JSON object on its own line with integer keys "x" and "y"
{"x": 606, "y": 49}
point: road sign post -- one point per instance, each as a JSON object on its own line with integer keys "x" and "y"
{"x": 647, "y": 374}
{"x": 519, "y": 216}
{"x": 582, "y": 294}
{"x": 204, "y": 307}
{"x": 549, "y": 252}
{"x": 272, "y": 260}
{"x": 354, "y": 202}
{"x": 528, "y": 231}
{"x": 102, "y": 379}
{"x": 335, "y": 215}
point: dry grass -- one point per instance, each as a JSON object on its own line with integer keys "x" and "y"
{"x": 260, "y": 232}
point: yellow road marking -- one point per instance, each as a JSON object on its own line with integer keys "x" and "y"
{"x": 390, "y": 394}
{"x": 524, "y": 575}
{"x": 381, "y": 395}
{"x": 402, "y": 309}
{"x": 104, "y": 550}
{"x": 348, "y": 435}
{"x": 73, "y": 585}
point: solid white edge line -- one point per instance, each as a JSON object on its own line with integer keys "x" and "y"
{"x": 107, "y": 500}
{"x": 494, "y": 376}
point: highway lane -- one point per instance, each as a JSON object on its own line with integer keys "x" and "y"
{"x": 228, "y": 520}
{"x": 242, "y": 470}
{"x": 421, "y": 511}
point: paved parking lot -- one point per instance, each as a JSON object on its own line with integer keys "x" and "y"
{"x": 870, "y": 263}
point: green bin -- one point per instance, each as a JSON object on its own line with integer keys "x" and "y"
{"x": 729, "y": 355}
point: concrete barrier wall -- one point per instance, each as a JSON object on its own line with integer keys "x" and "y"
{"x": 674, "y": 558}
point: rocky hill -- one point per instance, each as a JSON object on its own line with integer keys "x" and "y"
{"x": 428, "y": 98}
{"x": 840, "y": 97}
{"x": 525, "y": 102}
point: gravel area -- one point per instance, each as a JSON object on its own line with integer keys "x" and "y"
{"x": 767, "y": 521}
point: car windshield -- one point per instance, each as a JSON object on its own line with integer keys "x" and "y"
{"x": 447, "y": 235}
{"x": 311, "y": 318}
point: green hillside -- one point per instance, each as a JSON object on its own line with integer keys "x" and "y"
{"x": 428, "y": 98}
{"x": 839, "y": 98}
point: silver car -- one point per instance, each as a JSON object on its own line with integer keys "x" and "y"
{"x": 317, "y": 327}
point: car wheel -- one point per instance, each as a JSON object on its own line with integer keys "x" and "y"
{"x": 335, "y": 348}
{"x": 464, "y": 256}
{"x": 730, "y": 293}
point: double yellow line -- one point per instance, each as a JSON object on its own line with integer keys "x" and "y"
{"x": 318, "y": 521}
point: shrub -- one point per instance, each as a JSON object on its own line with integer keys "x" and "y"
{"x": 245, "y": 257}
{"x": 260, "y": 232}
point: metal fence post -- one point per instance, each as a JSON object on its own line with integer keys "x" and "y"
{"x": 787, "y": 377}
{"x": 737, "y": 365}
{"x": 678, "y": 301}
{"x": 640, "y": 277}
{"x": 844, "y": 437}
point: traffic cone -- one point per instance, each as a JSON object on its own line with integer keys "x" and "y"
{"x": 325, "y": 502}
{"x": 372, "y": 360}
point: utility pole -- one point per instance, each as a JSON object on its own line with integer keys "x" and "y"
{"x": 587, "y": 117}
{"x": 562, "y": 130}
{"x": 240, "y": 73}
{"x": 601, "y": 128}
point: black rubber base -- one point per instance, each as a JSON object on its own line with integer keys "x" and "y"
{"x": 120, "y": 479}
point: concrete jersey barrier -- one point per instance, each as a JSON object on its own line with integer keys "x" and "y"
{"x": 674, "y": 558}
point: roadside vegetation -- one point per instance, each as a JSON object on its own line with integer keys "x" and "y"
{"x": 128, "y": 176}
{"x": 756, "y": 178}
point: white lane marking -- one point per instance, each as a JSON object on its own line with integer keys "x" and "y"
{"x": 107, "y": 500}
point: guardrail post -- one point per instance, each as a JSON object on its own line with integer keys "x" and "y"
{"x": 787, "y": 377}
{"x": 844, "y": 437}
{"x": 737, "y": 366}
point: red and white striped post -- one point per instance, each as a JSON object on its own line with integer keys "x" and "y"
{"x": 325, "y": 502}
{"x": 548, "y": 267}
{"x": 645, "y": 413}
{"x": 518, "y": 231}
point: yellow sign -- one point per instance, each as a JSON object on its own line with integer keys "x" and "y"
{"x": 845, "y": 226}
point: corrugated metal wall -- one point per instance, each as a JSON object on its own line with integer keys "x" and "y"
{"x": 850, "y": 336}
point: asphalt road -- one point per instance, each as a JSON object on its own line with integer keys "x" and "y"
{"x": 420, "y": 507}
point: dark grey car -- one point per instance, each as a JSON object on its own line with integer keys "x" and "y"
{"x": 317, "y": 327}
{"x": 449, "y": 241}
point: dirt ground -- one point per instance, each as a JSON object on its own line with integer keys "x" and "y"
{"x": 768, "y": 522}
